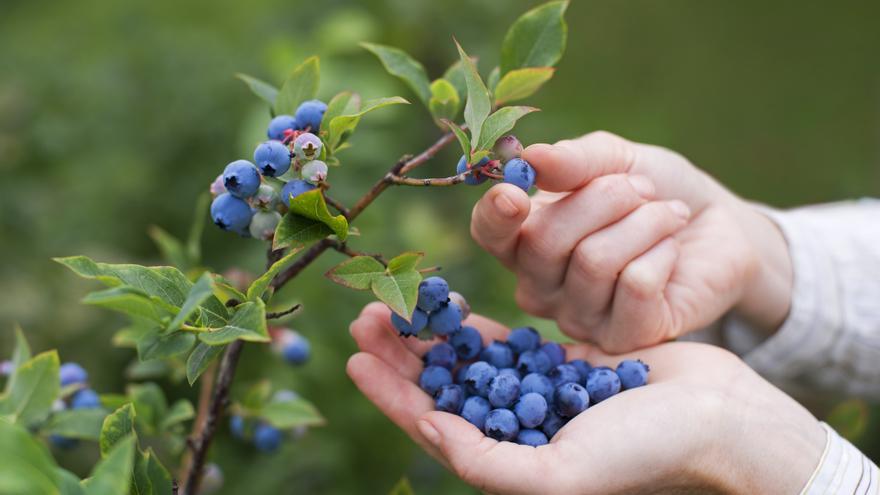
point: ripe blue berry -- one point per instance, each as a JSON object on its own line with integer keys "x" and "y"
{"x": 279, "y": 124}
{"x": 555, "y": 351}
{"x": 416, "y": 324}
{"x": 539, "y": 384}
{"x": 267, "y": 438}
{"x": 263, "y": 224}
{"x": 449, "y": 399}
{"x": 441, "y": 354}
{"x": 293, "y": 189}
{"x": 632, "y": 373}
{"x": 461, "y": 374}
{"x": 478, "y": 377}
{"x": 534, "y": 362}
{"x": 272, "y": 158}
{"x": 71, "y": 373}
{"x": 498, "y": 354}
{"x": 507, "y": 148}
{"x": 503, "y": 390}
{"x": 292, "y": 346}
{"x": 531, "y": 410}
{"x": 446, "y": 320}
{"x": 523, "y": 339}
{"x": 241, "y": 178}
{"x": 314, "y": 171}
{"x": 474, "y": 178}
{"x": 433, "y": 293}
{"x": 552, "y": 423}
{"x": 564, "y": 373}
{"x": 85, "y": 399}
{"x": 309, "y": 114}
{"x": 307, "y": 147}
{"x": 583, "y": 368}
{"x": 434, "y": 377}
{"x": 236, "y": 426}
{"x": 509, "y": 371}
{"x": 63, "y": 443}
{"x": 467, "y": 343}
{"x": 501, "y": 424}
{"x": 519, "y": 173}
{"x": 571, "y": 400}
{"x": 231, "y": 213}
{"x": 602, "y": 383}
{"x": 475, "y": 410}
{"x": 532, "y": 438}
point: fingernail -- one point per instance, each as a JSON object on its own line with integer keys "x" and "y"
{"x": 428, "y": 431}
{"x": 643, "y": 185}
{"x": 680, "y": 209}
{"x": 505, "y": 205}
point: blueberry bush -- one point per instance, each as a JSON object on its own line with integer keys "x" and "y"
{"x": 190, "y": 323}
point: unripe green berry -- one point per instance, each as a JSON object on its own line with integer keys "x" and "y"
{"x": 263, "y": 224}
{"x": 314, "y": 171}
{"x": 307, "y": 147}
{"x": 266, "y": 199}
{"x": 507, "y": 148}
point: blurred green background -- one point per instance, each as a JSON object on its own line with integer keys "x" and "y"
{"x": 116, "y": 115}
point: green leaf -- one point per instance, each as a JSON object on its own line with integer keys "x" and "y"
{"x": 156, "y": 346}
{"x": 312, "y": 205}
{"x": 248, "y": 324}
{"x": 117, "y": 426}
{"x": 170, "y": 247}
{"x": 257, "y": 395}
{"x": 20, "y": 355}
{"x": 149, "y": 404}
{"x": 302, "y": 85}
{"x": 165, "y": 282}
{"x": 194, "y": 239}
{"x": 32, "y": 389}
{"x": 400, "y": 288}
{"x": 492, "y": 80}
{"x": 25, "y": 464}
{"x": 343, "y": 125}
{"x": 478, "y": 102}
{"x": 521, "y": 83}
{"x": 455, "y": 75}
{"x": 500, "y": 123}
{"x": 445, "y": 102}
{"x": 357, "y": 272}
{"x": 402, "y": 487}
{"x": 536, "y": 39}
{"x": 130, "y": 301}
{"x": 264, "y": 90}
{"x": 462, "y": 137}
{"x": 291, "y": 414}
{"x": 297, "y": 232}
{"x": 399, "y": 64}
{"x": 149, "y": 475}
{"x": 343, "y": 103}
{"x": 180, "y": 411}
{"x": 404, "y": 262}
{"x": 199, "y": 360}
{"x": 224, "y": 291}
{"x": 84, "y": 424}
{"x": 260, "y": 285}
{"x": 68, "y": 483}
{"x": 198, "y": 294}
{"x": 112, "y": 475}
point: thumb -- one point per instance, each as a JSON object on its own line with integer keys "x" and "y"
{"x": 496, "y": 220}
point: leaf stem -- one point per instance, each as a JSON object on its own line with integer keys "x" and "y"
{"x": 280, "y": 314}
{"x": 344, "y": 249}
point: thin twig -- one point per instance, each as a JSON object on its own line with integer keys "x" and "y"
{"x": 429, "y": 182}
{"x": 206, "y": 387}
{"x": 338, "y": 206}
{"x": 344, "y": 249}
{"x": 282, "y": 314}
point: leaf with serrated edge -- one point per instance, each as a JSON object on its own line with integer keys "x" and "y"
{"x": 264, "y": 90}
{"x": 199, "y": 360}
{"x": 478, "y": 103}
{"x": 117, "y": 425}
{"x": 302, "y": 85}
{"x": 461, "y": 136}
{"x": 357, "y": 272}
{"x": 399, "y": 64}
{"x": 248, "y": 324}
{"x": 198, "y": 294}
{"x": 521, "y": 83}
{"x": 259, "y": 286}
{"x": 500, "y": 123}
{"x": 32, "y": 389}
{"x": 536, "y": 39}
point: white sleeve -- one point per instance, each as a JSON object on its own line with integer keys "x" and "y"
{"x": 842, "y": 469}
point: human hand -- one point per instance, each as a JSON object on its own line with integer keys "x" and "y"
{"x": 705, "y": 421}
{"x": 628, "y": 245}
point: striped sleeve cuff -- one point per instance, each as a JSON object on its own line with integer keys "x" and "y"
{"x": 842, "y": 469}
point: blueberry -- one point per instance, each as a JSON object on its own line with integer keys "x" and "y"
{"x": 293, "y": 347}
{"x": 510, "y": 371}
{"x": 63, "y": 443}
{"x": 534, "y": 362}
{"x": 267, "y": 438}
{"x": 461, "y": 374}
{"x": 571, "y": 400}
{"x": 434, "y": 377}
{"x": 555, "y": 351}
{"x": 433, "y": 293}
{"x": 478, "y": 377}
{"x": 241, "y": 178}
{"x": 441, "y": 354}
{"x": 449, "y": 399}
{"x": 519, "y": 173}
{"x": 307, "y": 147}
{"x": 503, "y": 390}
{"x": 501, "y": 424}
{"x": 71, "y": 373}
{"x": 467, "y": 343}
{"x": 272, "y": 158}
{"x": 236, "y": 426}
{"x": 475, "y": 410}
{"x": 498, "y": 354}
{"x": 583, "y": 368}
{"x": 263, "y": 224}
{"x": 531, "y": 410}
{"x": 293, "y": 189}
{"x": 523, "y": 339}
{"x": 507, "y": 148}
{"x": 552, "y": 423}
{"x": 564, "y": 373}
{"x": 309, "y": 114}
{"x": 532, "y": 438}
{"x": 416, "y": 324}
{"x": 279, "y": 124}
{"x": 632, "y": 373}
{"x": 314, "y": 172}
{"x": 266, "y": 198}
{"x": 462, "y": 304}
{"x": 85, "y": 399}
{"x": 538, "y": 383}
{"x": 217, "y": 188}
{"x": 602, "y": 383}
{"x": 231, "y": 213}
{"x": 474, "y": 178}
{"x": 446, "y": 320}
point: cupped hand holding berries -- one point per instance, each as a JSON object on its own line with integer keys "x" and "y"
{"x": 642, "y": 439}
{"x": 628, "y": 245}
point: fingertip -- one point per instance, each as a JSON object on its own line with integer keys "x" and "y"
{"x": 375, "y": 308}
{"x": 508, "y": 201}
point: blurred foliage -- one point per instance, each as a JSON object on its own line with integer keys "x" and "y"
{"x": 114, "y": 116}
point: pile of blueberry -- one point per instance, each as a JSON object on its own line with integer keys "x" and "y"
{"x": 506, "y": 160}
{"x": 263, "y": 436}
{"x": 245, "y": 202}
{"x": 73, "y": 376}
{"x": 521, "y": 390}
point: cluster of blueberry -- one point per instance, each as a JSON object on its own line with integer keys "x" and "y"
{"x": 438, "y": 312}
{"x": 74, "y": 376}
{"x": 265, "y": 437}
{"x": 514, "y": 170}
{"x": 251, "y": 206}
{"x": 290, "y": 345}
